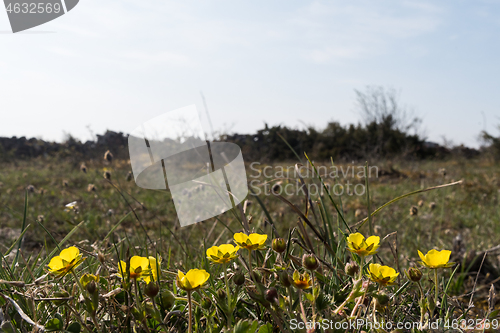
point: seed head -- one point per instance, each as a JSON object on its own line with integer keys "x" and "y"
{"x": 129, "y": 176}
{"x": 420, "y": 203}
{"x": 108, "y": 156}
{"x": 91, "y": 188}
{"x": 352, "y": 268}
{"x": 83, "y": 167}
{"x": 432, "y": 205}
{"x": 413, "y": 211}
{"x": 107, "y": 175}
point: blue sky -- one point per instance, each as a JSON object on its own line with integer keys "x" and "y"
{"x": 114, "y": 64}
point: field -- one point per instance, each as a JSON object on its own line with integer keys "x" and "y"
{"x": 113, "y": 219}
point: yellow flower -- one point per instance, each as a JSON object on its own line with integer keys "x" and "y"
{"x": 139, "y": 268}
{"x": 357, "y": 244}
{"x": 302, "y": 281}
{"x": 436, "y": 259}
{"x": 383, "y": 275}
{"x": 250, "y": 242}
{"x": 67, "y": 260}
{"x": 87, "y": 278}
{"x": 222, "y": 254}
{"x": 192, "y": 280}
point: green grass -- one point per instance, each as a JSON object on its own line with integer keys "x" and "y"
{"x": 120, "y": 220}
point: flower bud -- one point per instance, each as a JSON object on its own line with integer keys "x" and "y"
{"x": 414, "y": 274}
{"x": 206, "y": 303}
{"x": 310, "y": 262}
{"x": 382, "y": 298}
{"x": 151, "y": 289}
{"x": 271, "y": 295}
{"x": 279, "y": 245}
{"x": 352, "y": 268}
{"x": 239, "y": 278}
{"x": 257, "y": 276}
{"x": 167, "y": 299}
{"x": 91, "y": 287}
{"x": 285, "y": 279}
{"x": 221, "y": 293}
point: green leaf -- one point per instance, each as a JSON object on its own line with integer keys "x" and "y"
{"x": 54, "y": 324}
{"x": 267, "y": 328}
{"x": 74, "y": 328}
{"x": 246, "y": 326}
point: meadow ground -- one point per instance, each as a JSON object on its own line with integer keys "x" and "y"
{"x": 113, "y": 219}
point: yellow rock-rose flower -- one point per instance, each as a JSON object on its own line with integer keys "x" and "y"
{"x": 357, "y": 244}
{"x": 67, "y": 260}
{"x": 383, "y": 275}
{"x": 250, "y": 242}
{"x": 192, "y": 280}
{"x": 139, "y": 268}
{"x": 436, "y": 259}
{"x": 302, "y": 281}
{"x": 222, "y": 254}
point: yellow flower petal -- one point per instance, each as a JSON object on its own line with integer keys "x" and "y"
{"x": 257, "y": 238}
{"x": 375, "y": 240}
{"x": 240, "y": 238}
{"x": 69, "y": 254}
{"x": 56, "y": 264}
{"x": 356, "y": 238}
{"x": 136, "y": 262}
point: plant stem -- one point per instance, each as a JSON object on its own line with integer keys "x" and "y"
{"x": 290, "y": 303}
{"x": 190, "y": 312}
{"x": 314, "y": 298}
{"x": 422, "y": 308}
{"x": 302, "y": 307}
{"x": 437, "y": 284}
{"x": 78, "y": 282}
{"x": 229, "y": 307}
{"x": 361, "y": 267}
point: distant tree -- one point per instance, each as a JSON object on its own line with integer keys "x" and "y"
{"x": 493, "y": 143}
{"x": 380, "y": 105}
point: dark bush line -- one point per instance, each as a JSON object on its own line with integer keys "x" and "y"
{"x": 351, "y": 142}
